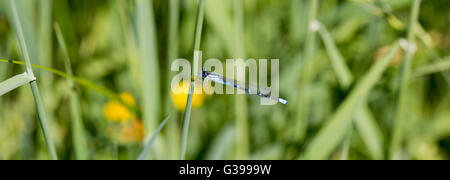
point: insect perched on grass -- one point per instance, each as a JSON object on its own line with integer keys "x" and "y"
{"x": 208, "y": 76}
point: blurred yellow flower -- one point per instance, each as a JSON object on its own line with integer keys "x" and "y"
{"x": 132, "y": 133}
{"x": 128, "y": 99}
{"x": 396, "y": 61}
{"x": 180, "y": 99}
{"x": 117, "y": 112}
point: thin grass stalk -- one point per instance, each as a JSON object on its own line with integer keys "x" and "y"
{"x": 78, "y": 136}
{"x": 34, "y": 88}
{"x": 363, "y": 119}
{"x": 437, "y": 59}
{"x": 45, "y": 52}
{"x": 438, "y": 67}
{"x": 241, "y": 112}
{"x": 187, "y": 112}
{"x": 45, "y": 31}
{"x": 305, "y": 74}
{"x": 129, "y": 43}
{"x": 172, "y": 53}
{"x": 345, "y": 153}
{"x": 420, "y": 34}
{"x": 14, "y": 82}
{"x": 146, "y": 33}
{"x": 45, "y": 48}
{"x": 186, "y": 122}
{"x": 397, "y": 136}
{"x": 80, "y": 81}
{"x": 370, "y": 131}
{"x": 343, "y": 72}
{"x": 3, "y": 72}
{"x": 297, "y": 20}
{"x": 149, "y": 144}
{"x": 333, "y": 132}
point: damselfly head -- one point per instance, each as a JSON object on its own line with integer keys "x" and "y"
{"x": 204, "y": 73}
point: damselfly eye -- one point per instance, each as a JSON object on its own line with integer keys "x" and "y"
{"x": 204, "y": 74}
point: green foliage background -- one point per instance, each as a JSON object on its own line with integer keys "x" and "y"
{"x": 126, "y": 46}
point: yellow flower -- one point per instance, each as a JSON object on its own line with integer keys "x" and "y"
{"x": 117, "y": 112}
{"x": 396, "y": 61}
{"x": 128, "y": 99}
{"x": 132, "y": 133}
{"x": 180, "y": 99}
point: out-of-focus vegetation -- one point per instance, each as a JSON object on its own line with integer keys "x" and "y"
{"x": 357, "y": 89}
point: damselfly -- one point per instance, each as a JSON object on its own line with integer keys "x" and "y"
{"x": 232, "y": 83}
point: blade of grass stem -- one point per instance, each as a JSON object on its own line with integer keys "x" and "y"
{"x": 369, "y": 131}
{"x": 242, "y": 136}
{"x": 305, "y": 75}
{"x": 222, "y": 143}
{"x": 187, "y": 112}
{"x": 343, "y": 72}
{"x": 335, "y": 129}
{"x": 297, "y": 20}
{"x": 172, "y": 53}
{"x": 420, "y": 34}
{"x": 346, "y": 146}
{"x": 404, "y": 81}
{"x": 186, "y": 122}
{"x": 436, "y": 59}
{"x": 78, "y": 136}
{"x": 148, "y": 145}
{"x": 80, "y": 81}
{"x": 45, "y": 31}
{"x": 146, "y": 33}
{"x": 437, "y": 67}
{"x": 14, "y": 82}
{"x": 364, "y": 120}
{"x": 34, "y": 87}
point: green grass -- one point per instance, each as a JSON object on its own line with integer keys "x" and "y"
{"x": 148, "y": 55}
{"x": 337, "y": 61}
{"x": 241, "y": 109}
{"x": 149, "y": 144}
{"x": 174, "y": 134}
{"x": 78, "y": 132}
{"x": 363, "y": 118}
{"x": 438, "y": 67}
{"x": 37, "y": 98}
{"x": 80, "y": 81}
{"x": 14, "y": 82}
{"x": 402, "y": 108}
{"x": 303, "y": 111}
{"x": 187, "y": 112}
{"x": 331, "y": 135}
{"x": 345, "y": 101}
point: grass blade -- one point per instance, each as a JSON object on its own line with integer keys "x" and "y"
{"x": 78, "y": 137}
{"x": 335, "y": 129}
{"x": 345, "y": 154}
{"x": 404, "y": 81}
{"x": 343, "y": 73}
{"x": 14, "y": 82}
{"x": 172, "y": 52}
{"x": 34, "y": 87}
{"x": 80, "y": 81}
{"x": 364, "y": 120}
{"x": 149, "y": 144}
{"x": 186, "y": 122}
{"x": 146, "y": 33}
{"x": 187, "y": 112}
{"x": 437, "y": 67}
{"x": 241, "y": 109}
{"x": 305, "y": 74}
{"x": 369, "y": 131}
{"x": 220, "y": 149}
